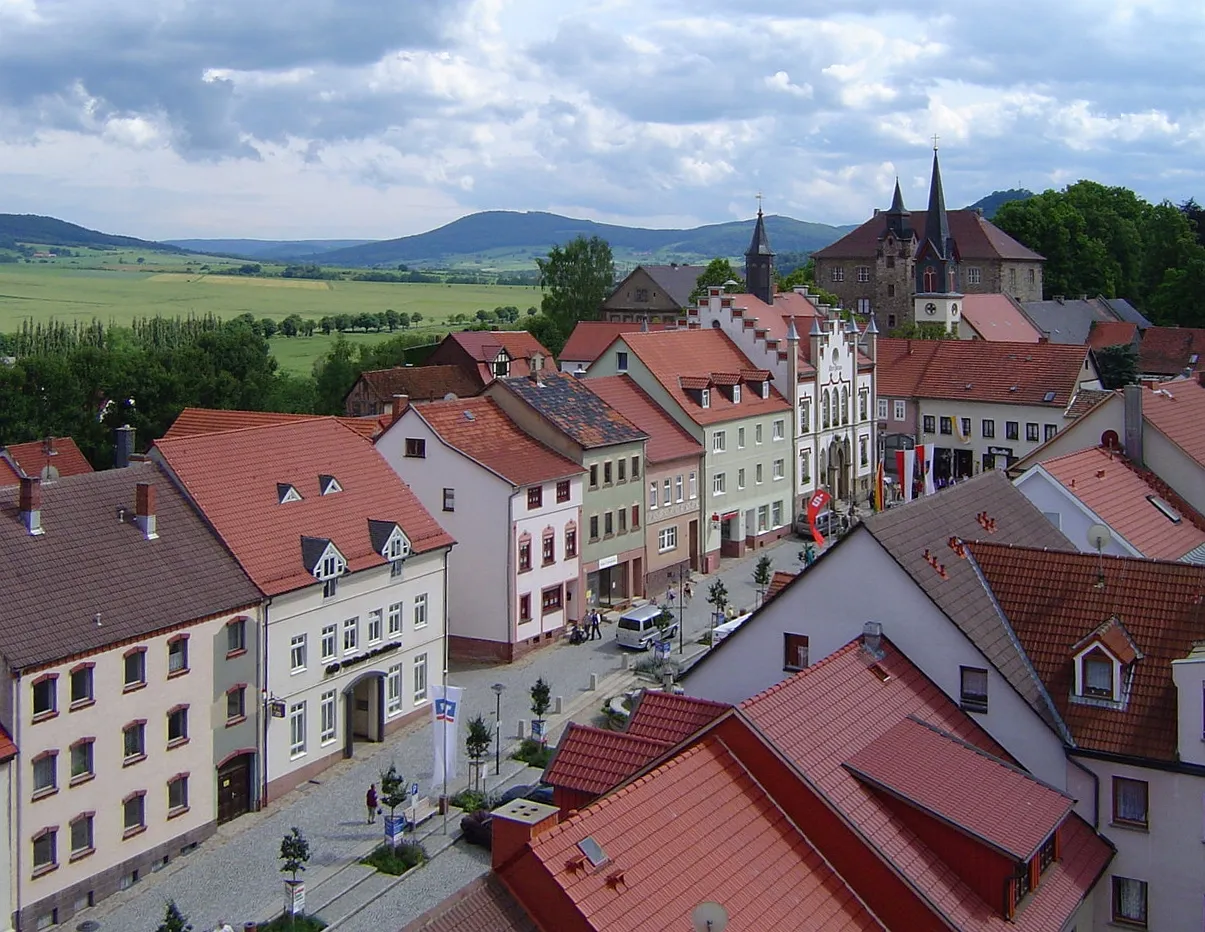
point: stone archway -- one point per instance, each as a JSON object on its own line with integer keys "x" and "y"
{"x": 837, "y": 476}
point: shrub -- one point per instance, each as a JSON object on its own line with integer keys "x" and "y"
{"x": 294, "y": 924}
{"x": 470, "y": 800}
{"x": 397, "y": 860}
{"x": 534, "y": 753}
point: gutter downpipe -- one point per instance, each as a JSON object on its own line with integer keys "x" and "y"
{"x": 1095, "y": 791}
{"x": 265, "y": 710}
{"x": 14, "y": 822}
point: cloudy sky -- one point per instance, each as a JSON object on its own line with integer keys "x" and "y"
{"x": 379, "y": 118}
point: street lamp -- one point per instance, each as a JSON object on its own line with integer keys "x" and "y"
{"x": 678, "y": 575}
{"x": 497, "y": 688}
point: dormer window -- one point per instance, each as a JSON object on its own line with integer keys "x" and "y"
{"x": 286, "y": 493}
{"x": 736, "y": 394}
{"x": 501, "y": 365}
{"x": 1101, "y": 661}
{"x": 1098, "y": 675}
{"x": 328, "y": 485}
{"x": 331, "y": 566}
{"x": 323, "y": 560}
{"x": 705, "y": 397}
{"x": 765, "y": 390}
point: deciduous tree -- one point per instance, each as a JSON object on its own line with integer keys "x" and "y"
{"x": 576, "y": 278}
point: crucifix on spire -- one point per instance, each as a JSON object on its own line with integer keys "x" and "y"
{"x": 759, "y": 202}
{"x": 935, "y": 138}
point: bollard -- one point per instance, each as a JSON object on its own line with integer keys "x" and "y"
{"x": 522, "y": 730}
{"x": 557, "y": 702}
{"x": 593, "y": 681}
{"x": 627, "y": 661}
{"x": 667, "y": 680}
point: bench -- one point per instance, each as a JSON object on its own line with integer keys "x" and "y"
{"x": 419, "y": 813}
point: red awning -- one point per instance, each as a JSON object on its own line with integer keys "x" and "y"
{"x": 729, "y": 514}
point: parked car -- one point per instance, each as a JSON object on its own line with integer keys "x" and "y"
{"x": 637, "y": 628}
{"x": 476, "y": 828}
{"x": 829, "y": 523}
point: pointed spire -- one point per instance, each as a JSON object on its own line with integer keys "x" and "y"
{"x": 759, "y": 262}
{"x": 792, "y": 333}
{"x": 898, "y": 215}
{"x": 937, "y": 224}
{"x": 815, "y": 331}
{"x": 897, "y": 200}
{"x": 872, "y": 328}
{"x": 760, "y": 244}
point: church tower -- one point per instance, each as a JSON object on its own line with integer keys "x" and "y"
{"x": 899, "y": 217}
{"x": 759, "y": 263}
{"x": 937, "y": 299}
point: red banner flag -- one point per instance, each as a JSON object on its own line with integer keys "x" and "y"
{"x": 816, "y": 504}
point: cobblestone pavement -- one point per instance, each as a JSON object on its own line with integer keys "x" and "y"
{"x": 234, "y": 876}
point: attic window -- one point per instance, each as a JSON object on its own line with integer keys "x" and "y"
{"x": 765, "y": 389}
{"x": 705, "y": 397}
{"x": 329, "y": 485}
{"x": 416, "y": 448}
{"x": 1097, "y": 675}
{"x": 593, "y": 851}
{"x": 880, "y": 672}
{"x": 332, "y": 565}
{"x": 286, "y": 493}
{"x": 501, "y": 365}
{"x": 1048, "y": 397}
{"x": 1165, "y": 508}
{"x": 736, "y": 394}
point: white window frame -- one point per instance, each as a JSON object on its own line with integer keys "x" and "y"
{"x": 394, "y": 619}
{"x": 667, "y": 539}
{"x": 376, "y": 626}
{"x": 776, "y": 513}
{"x": 705, "y": 398}
{"x": 758, "y": 473}
{"x": 420, "y": 679}
{"x": 719, "y": 442}
{"x": 297, "y": 654}
{"x": 740, "y": 438}
{"x": 693, "y": 485}
{"x": 328, "y": 719}
{"x": 736, "y": 394}
{"x": 678, "y": 488}
{"x": 740, "y": 478}
{"x": 393, "y": 690}
{"x": 757, "y": 434}
{"x": 883, "y": 409}
{"x": 420, "y": 610}
{"x": 778, "y": 429}
{"x": 901, "y": 410}
{"x": 653, "y": 496}
{"x": 718, "y": 484}
{"x": 329, "y": 645}
{"x": 805, "y": 465}
{"x": 805, "y": 415}
{"x": 297, "y": 734}
{"x": 778, "y": 469}
{"x": 351, "y": 635}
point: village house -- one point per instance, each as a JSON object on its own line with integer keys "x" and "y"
{"x": 354, "y": 570}
{"x": 563, "y": 413}
{"x": 711, "y": 389}
{"x": 375, "y": 389}
{"x": 652, "y": 293}
{"x": 41, "y": 459}
{"x": 131, "y": 684}
{"x": 485, "y": 355}
{"x": 514, "y": 505}
{"x": 590, "y": 337}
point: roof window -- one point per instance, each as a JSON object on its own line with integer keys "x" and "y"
{"x": 1165, "y": 508}
{"x": 1048, "y": 397}
{"x": 593, "y": 851}
{"x": 286, "y": 493}
{"x": 329, "y": 485}
{"x": 1103, "y": 663}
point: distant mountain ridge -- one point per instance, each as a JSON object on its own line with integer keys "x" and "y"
{"x": 269, "y": 249}
{"x": 49, "y": 231}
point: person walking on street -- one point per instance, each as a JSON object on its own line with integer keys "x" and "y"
{"x": 687, "y": 592}
{"x": 370, "y": 800}
{"x": 594, "y": 628}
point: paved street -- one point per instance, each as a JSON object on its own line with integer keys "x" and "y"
{"x": 235, "y": 876}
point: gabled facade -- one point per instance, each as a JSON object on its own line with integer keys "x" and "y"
{"x": 485, "y": 355}
{"x": 375, "y": 390}
{"x": 711, "y": 389}
{"x": 560, "y": 411}
{"x": 653, "y": 293}
{"x": 131, "y": 676}
{"x": 355, "y": 570}
{"x": 41, "y": 459}
{"x": 514, "y": 505}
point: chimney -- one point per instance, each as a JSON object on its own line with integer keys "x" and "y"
{"x": 31, "y": 505}
{"x": 397, "y": 406}
{"x": 144, "y": 510}
{"x": 124, "y": 447}
{"x": 1201, "y": 377}
{"x": 1133, "y": 423}
{"x": 872, "y": 638}
{"x": 48, "y": 447}
{"x": 537, "y": 363}
{"x": 517, "y": 823}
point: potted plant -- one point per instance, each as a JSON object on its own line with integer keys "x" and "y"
{"x": 393, "y": 794}
{"x": 717, "y": 596}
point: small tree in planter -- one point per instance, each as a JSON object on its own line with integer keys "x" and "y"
{"x": 294, "y": 853}
{"x": 541, "y": 701}
{"x": 174, "y": 920}
{"x": 478, "y": 744}
{"x": 393, "y": 792}
{"x": 761, "y": 576}
{"x": 717, "y": 595}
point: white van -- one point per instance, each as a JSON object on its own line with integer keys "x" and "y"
{"x": 637, "y": 628}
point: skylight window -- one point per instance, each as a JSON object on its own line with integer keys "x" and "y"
{"x": 329, "y": 485}
{"x": 286, "y": 493}
{"x": 592, "y": 850}
{"x": 1049, "y": 396}
{"x": 1165, "y": 508}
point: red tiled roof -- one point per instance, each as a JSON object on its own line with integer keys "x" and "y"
{"x": 976, "y": 236}
{"x": 483, "y": 345}
{"x": 828, "y": 713}
{"x": 1084, "y": 401}
{"x": 674, "y": 353}
{"x": 8, "y": 475}
{"x": 233, "y": 477}
{"x": 591, "y": 337}
{"x": 1106, "y": 484}
{"x": 963, "y": 786}
{"x": 8, "y": 750}
{"x": 1104, "y": 333}
{"x": 671, "y": 718}
{"x": 31, "y": 458}
{"x": 593, "y": 760}
{"x": 998, "y": 318}
{"x": 485, "y": 905}
{"x": 1169, "y": 350}
{"x": 1053, "y": 600}
{"x": 421, "y": 383}
{"x": 778, "y": 582}
{"x": 667, "y": 440}
{"x": 193, "y": 421}
{"x": 1177, "y": 410}
{"x": 978, "y": 370}
{"x": 728, "y": 843}
{"x": 491, "y": 438}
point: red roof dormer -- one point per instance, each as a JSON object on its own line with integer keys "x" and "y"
{"x": 1103, "y": 662}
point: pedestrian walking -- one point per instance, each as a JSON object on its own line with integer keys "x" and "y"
{"x": 687, "y": 592}
{"x": 223, "y": 926}
{"x": 370, "y": 800}
{"x": 594, "y": 626}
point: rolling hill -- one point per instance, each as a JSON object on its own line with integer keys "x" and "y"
{"x": 994, "y": 201}
{"x": 266, "y": 249}
{"x": 48, "y": 231}
{"x": 499, "y": 238}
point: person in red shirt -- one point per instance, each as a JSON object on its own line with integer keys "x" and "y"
{"x": 370, "y": 800}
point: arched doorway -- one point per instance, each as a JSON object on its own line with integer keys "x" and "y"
{"x": 837, "y": 478}
{"x": 363, "y": 710}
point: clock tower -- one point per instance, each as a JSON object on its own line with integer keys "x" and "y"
{"x": 937, "y": 299}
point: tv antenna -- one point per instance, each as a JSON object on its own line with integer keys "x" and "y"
{"x": 1099, "y": 537}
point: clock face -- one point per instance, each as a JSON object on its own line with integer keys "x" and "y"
{"x": 930, "y": 308}
{"x": 953, "y": 310}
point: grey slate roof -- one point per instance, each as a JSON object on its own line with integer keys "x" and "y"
{"x": 88, "y": 561}
{"x": 677, "y": 281}
{"x": 1069, "y": 320}
{"x": 905, "y": 532}
{"x": 568, "y": 404}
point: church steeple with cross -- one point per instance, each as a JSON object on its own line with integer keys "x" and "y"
{"x": 759, "y": 261}
{"x": 937, "y": 297}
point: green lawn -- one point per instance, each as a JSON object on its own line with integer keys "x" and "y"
{"x": 56, "y": 290}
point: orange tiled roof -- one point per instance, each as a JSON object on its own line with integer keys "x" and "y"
{"x": 1107, "y": 485}
{"x": 1170, "y": 350}
{"x": 480, "y": 429}
{"x": 420, "y": 383}
{"x": 484, "y": 905}
{"x": 593, "y": 760}
{"x": 1054, "y": 600}
{"x": 1177, "y": 410}
{"x": 193, "y": 421}
{"x": 1104, "y": 333}
{"x": 672, "y": 718}
{"x": 8, "y": 750}
{"x": 233, "y": 478}
{"x": 671, "y": 354}
{"x": 778, "y": 582}
{"x": 978, "y": 370}
{"x": 483, "y": 345}
{"x": 591, "y": 337}
{"x": 667, "y": 440}
{"x": 31, "y": 458}
{"x": 998, "y": 318}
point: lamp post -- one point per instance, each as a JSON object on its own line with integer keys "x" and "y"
{"x": 678, "y": 575}
{"x": 497, "y": 688}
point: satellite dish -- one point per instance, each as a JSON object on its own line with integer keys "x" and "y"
{"x": 49, "y": 473}
{"x": 1099, "y": 537}
{"x": 709, "y": 917}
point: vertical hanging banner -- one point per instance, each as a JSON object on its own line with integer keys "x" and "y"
{"x": 926, "y": 465}
{"x": 446, "y": 711}
{"x": 904, "y": 461}
{"x": 816, "y": 504}
{"x": 878, "y": 488}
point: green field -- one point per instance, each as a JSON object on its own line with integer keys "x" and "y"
{"x": 61, "y": 289}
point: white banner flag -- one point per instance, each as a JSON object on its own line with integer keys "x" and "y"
{"x": 905, "y": 460}
{"x": 926, "y": 463}
{"x": 445, "y": 710}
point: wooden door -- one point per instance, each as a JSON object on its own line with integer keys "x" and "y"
{"x": 234, "y": 788}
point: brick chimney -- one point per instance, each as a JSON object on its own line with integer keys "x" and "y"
{"x": 517, "y": 823}
{"x": 31, "y": 505}
{"x": 399, "y": 404}
{"x": 144, "y": 510}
